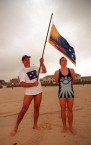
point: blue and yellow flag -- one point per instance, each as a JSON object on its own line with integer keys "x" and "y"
{"x": 61, "y": 44}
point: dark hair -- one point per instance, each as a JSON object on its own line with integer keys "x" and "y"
{"x": 61, "y": 58}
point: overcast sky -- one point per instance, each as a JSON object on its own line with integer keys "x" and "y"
{"x": 23, "y": 29}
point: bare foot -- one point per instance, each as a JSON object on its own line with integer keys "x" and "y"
{"x": 36, "y": 127}
{"x": 13, "y": 133}
{"x": 64, "y": 129}
{"x": 73, "y": 131}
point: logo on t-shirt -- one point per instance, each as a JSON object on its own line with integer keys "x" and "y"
{"x": 32, "y": 74}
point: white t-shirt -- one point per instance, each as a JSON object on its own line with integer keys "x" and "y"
{"x": 28, "y": 75}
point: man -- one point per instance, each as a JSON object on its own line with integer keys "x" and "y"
{"x": 65, "y": 77}
{"x": 29, "y": 79}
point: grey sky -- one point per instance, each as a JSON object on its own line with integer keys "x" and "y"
{"x": 23, "y": 28}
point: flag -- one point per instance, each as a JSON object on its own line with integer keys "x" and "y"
{"x": 61, "y": 44}
{"x": 32, "y": 74}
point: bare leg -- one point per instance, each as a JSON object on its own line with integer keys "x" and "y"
{"x": 63, "y": 113}
{"x": 26, "y": 103}
{"x": 37, "y": 102}
{"x": 70, "y": 102}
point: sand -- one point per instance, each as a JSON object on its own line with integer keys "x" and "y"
{"x": 49, "y": 119}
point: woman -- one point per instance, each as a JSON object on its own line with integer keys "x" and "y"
{"x": 65, "y": 77}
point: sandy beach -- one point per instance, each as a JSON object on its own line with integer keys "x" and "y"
{"x": 49, "y": 119}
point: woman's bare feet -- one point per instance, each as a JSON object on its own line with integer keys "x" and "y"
{"x": 73, "y": 131}
{"x": 64, "y": 129}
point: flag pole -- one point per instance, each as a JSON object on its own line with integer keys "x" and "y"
{"x": 47, "y": 35}
{"x": 45, "y": 43}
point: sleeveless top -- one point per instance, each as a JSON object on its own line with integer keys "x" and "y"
{"x": 65, "y": 85}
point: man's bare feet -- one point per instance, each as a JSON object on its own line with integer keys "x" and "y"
{"x": 13, "y": 133}
{"x": 36, "y": 127}
{"x": 64, "y": 129}
{"x": 73, "y": 131}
